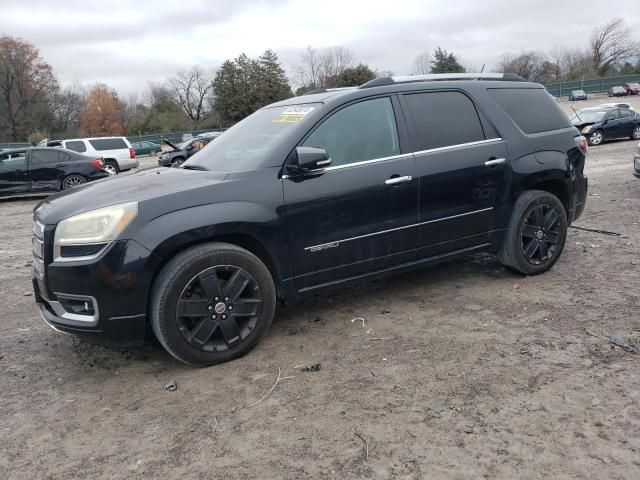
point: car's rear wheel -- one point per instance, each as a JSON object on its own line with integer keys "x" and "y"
{"x": 212, "y": 303}
{"x": 152, "y": 153}
{"x": 636, "y": 133}
{"x": 176, "y": 162}
{"x": 111, "y": 167}
{"x": 73, "y": 180}
{"x": 596, "y": 138}
{"x": 536, "y": 234}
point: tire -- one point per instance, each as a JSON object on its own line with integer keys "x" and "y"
{"x": 524, "y": 237}
{"x": 71, "y": 181}
{"x": 635, "y": 135}
{"x": 596, "y": 138}
{"x": 206, "y": 295}
{"x": 111, "y": 166}
{"x": 176, "y": 162}
{"x": 152, "y": 153}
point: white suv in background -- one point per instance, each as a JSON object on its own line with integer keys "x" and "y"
{"x": 117, "y": 153}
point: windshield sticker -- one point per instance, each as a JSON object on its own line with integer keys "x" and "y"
{"x": 293, "y": 114}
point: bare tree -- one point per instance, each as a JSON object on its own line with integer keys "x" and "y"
{"x": 532, "y": 66}
{"x": 333, "y": 62}
{"x": 611, "y": 46}
{"x": 68, "y": 104}
{"x": 27, "y": 88}
{"x": 559, "y": 56}
{"x": 190, "y": 91}
{"x": 421, "y": 64}
{"x": 308, "y": 71}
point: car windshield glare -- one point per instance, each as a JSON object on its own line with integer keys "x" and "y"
{"x": 588, "y": 116}
{"x": 245, "y": 145}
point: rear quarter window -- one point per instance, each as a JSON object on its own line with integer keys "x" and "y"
{"x": 108, "y": 144}
{"x": 76, "y": 146}
{"x": 532, "y": 109}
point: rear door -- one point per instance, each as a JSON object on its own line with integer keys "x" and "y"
{"x": 359, "y": 214}
{"x": 46, "y": 169}
{"x": 14, "y": 175}
{"x": 462, "y": 167}
{"x": 628, "y": 120}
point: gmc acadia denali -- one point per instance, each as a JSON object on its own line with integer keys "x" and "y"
{"x": 305, "y": 195}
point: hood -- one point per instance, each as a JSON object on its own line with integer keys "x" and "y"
{"x": 172, "y": 145}
{"x": 140, "y": 186}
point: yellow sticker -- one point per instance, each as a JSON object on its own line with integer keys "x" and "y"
{"x": 293, "y": 114}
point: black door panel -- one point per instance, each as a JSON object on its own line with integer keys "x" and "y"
{"x": 14, "y": 176}
{"x": 347, "y": 216}
{"x": 46, "y": 169}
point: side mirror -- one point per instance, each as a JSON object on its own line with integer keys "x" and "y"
{"x": 309, "y": 159}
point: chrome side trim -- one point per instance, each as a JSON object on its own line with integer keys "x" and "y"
{"x": 459, "y": 145}
{"x": 78, "y": 319}
{"x": 403, "y": 155}
{"x": 495, "y": 161}
{"x": 336, "y": 243}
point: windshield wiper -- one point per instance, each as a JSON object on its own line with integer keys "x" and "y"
{"x": 194, "y": 167}
{"x": 576, "y": 112}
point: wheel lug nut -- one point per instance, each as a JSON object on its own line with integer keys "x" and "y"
{"x": 226, "y": 299}
{"x": 213, "y": 317}
{"x": 217, "y": 298}
{"x": 209, "y": 308}
{"x": 230, "y": 307}
{"x": 224, "y": 317}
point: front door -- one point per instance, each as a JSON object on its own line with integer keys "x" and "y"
{"x": 627, "y": 119}
{"x": 14, "y": 177}
{"x": 359, "y": 214}
{"x": 462, "y": 165}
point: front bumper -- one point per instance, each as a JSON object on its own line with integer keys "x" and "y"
{"x": 115, "y": 285}
{"x": 164, "y": 161}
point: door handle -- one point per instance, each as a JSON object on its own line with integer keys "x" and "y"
{"x": 397, "y": 180}
{"x": 495, "y": 161}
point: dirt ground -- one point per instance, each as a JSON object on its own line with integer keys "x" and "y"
{"x": 461, "y": 371}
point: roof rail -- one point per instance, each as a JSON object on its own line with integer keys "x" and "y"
{"x": 324, "y": 90}
{"x": 377, "y": 82}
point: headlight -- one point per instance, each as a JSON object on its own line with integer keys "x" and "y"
{"x": 585, "y": 129}
{"x": 96, "y": 226}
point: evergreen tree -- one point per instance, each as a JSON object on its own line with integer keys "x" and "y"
{"x": 445, "y": 62}
{"x": 355, "y": 76}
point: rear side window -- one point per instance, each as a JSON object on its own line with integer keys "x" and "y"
{"x": 532, "y": 109}
{"x": 39, "y": 157}
{"x": 443, "y": 119}
{"x": 76, "y": 146}
{"x": 108, "y": 143}
{"x": 363, "y": 131}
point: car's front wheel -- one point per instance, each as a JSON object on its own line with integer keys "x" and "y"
{"x": 635, "y": 135}
{"x": 536, "y": 234}
{"x": 596, "y": 138}
{"x": 176, "y": 162}
{"x": 212, "y": 303}
{"x": 152, "y": 153}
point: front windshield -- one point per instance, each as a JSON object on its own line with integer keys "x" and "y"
{"x": 587, "y": 116}
{"x": 247, "y": 143}
{"x": 184, "y": 145}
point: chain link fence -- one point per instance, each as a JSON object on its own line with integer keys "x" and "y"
{"x": 593, "y": 85}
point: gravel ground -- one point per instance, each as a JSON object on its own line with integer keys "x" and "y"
{"x": 462, "y": 371}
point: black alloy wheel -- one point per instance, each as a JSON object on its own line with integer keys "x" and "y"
{"x": 219, "y": 308}
{"x": 72, "y": 181}
{"x": 540, "y": 234}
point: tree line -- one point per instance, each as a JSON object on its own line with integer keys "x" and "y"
{"x": 33, "y": 105}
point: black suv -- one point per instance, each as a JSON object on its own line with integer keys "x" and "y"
{"x": 305, "y": 195}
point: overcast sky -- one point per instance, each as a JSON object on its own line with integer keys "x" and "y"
{"x": 128, "y": 43}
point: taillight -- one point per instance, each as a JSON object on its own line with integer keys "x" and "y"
{"x": 132, "y": 153}
{"x": 582, "y": 144}
{"x": 98, "y": 163}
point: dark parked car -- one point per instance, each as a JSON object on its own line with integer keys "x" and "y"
{"x": 600, "y": 124}
{"x": 308, "y": 194}
{"x": 185, "y": 150}
{"x": 146, "y": 148}
{"x": 632, "y": 88}
{"x": 577, "y": 95}
{"x": 618, "y": 92}
{"x": 40, "y": 170}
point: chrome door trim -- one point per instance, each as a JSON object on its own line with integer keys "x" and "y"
{"x": 459, "y": 145}
{"x": 336, "y": 243}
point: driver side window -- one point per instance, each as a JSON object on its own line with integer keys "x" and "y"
{"x": 362, "y": 131}
{"x": 13, "y": 161}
